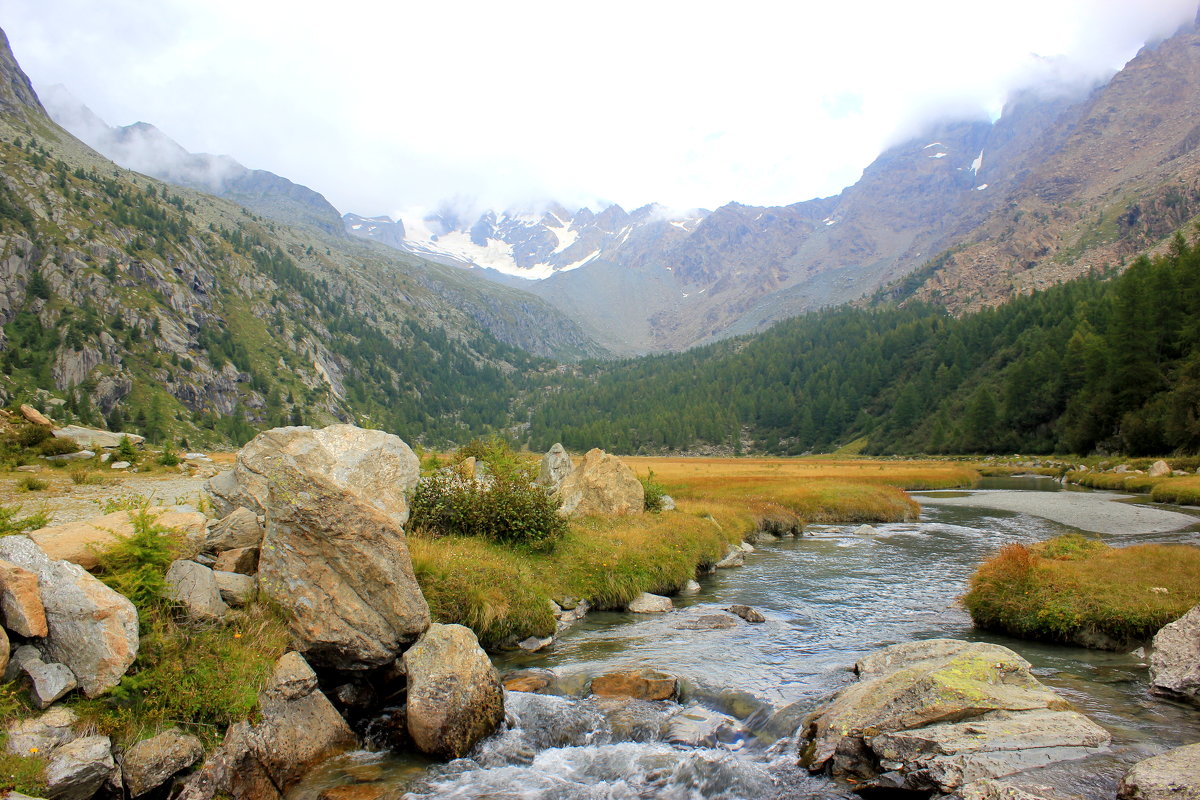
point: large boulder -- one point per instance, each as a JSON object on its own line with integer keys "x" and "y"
{"x": 1160, "y": 469}
{"x": 79, "y": 768}
{"x": 556, "y": 466}
{"x": 454, "y": 693}
{"x": 940, "y": 714}
{"x": 20, "y": 601}
{"x": 1175, "y": 658}
{"x": 378, "y": 467}
{"x": 35, "y": 417}
{"x": 93, "y": 438}
{"x": 602, "y": 484}
{"x": 90, "y": 628}
{"x": 341, "y": 569}
{"x": 1174, "y": 775}
{"x": 81, "y": 542}
{"x": 151, "y": 762}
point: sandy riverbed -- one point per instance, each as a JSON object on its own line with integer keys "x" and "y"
{"x": 1099, "y": 512}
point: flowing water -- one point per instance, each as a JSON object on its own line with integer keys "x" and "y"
{"x": 830, "y": 597}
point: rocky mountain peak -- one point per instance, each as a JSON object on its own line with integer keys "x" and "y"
{"x": 17, "y": 97}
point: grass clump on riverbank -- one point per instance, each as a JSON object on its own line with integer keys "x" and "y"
{"x": 1079, "y": 590}
{"x": 1180, "y": 491}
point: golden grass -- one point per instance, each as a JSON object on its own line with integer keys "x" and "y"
{"x": 1077, "y": 590}
{"x": 1181, "y": 491}
{"x": 1115, "y": 481}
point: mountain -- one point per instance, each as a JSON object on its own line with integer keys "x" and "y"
{"x": 163, "y": 309}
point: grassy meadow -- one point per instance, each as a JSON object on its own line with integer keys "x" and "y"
{"x": 502, "y": 591}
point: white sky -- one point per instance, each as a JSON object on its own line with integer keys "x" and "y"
{"x": 383, "y": 106}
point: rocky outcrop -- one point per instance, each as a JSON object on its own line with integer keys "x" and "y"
{"x": 96, "y": 439}
{"x": 341, "y": 569}
{"x": 81, "y": 542}
{"x": 556, "y": 466}
{"x": 641, "y": 684}
{"x": 91, "y": 628}
{"x": 1175, "y": 658}
{"x": 454, "y": 693}
{"x": 939, "y": 714}
{"x": 151, "y": 762}
{"x": 1174, "y": 775}
{"x": 298, "y": 728}
{"x": 377, "y": 467}
{"x": 602, "y": 484}
{"x": 20, "y": 601}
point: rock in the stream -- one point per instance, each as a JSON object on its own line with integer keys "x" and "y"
{"x": 377, "y": 467}
{"x": 865, "y": 530}
{"x": 556, "y": 466}
{"x": 940, "y": 714}
{"x": 529, "y": 680}
{"x": 1175, "y": 658}
{"x": 1174, "y": 775}
{"x": 91, "y": 628}
{"x": 21, "y": 602}
{"x": 454, "y": 693}
{"x": 151, "y": 762}
{"x": 602, "y": 484}
{"x": 696, "y": 726}
{"x": 194, "y": 587}
{"x": 747, "y": 613}
{"x": 79, "y": 768}
{"x": 706, "y": 622}
{"x": 646, "y": 603}
{"x": 641, "y": 684}
{"x": 237, "y": 529}
{"x": 989, "y": 789}
{"x": 734, "y": 557}
{"x": 81, "y": 542}
{"x": 341, "y": 569}
{"x": 690, "y": 588}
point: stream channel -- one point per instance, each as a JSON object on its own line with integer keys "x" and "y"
{"x": 830, "y": 597}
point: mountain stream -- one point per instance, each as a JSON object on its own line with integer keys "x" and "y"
{"x": 830, "y": 597}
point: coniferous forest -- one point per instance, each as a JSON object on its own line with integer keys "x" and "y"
{"x": 1101, "y": 364}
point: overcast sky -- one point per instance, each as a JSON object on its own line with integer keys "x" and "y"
{"x": 384, "y": 106}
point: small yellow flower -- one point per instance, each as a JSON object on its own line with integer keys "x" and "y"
{"x": 33, "y": 749}
{"x": 237, "y": 636}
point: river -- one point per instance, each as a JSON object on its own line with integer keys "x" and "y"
{"x": 829, "y": 597}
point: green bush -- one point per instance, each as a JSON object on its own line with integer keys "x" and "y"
{"x": 11, "y": 523}
{"x": 136, "y": 566}
{"x": 126, "y": 451}
{"x": 31, "y": 435}
{"x": 655, "y": 492}
{"x": 168, "y": 457}
{"x": 31, "y": 484}
{"x": 56, "y": 447}
{"x": 501, "y": 508}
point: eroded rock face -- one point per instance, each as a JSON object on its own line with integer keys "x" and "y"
{"x": 1174, "y": 775}
{"x": 1175, "y": 658}
{"x": 556, "y": 466}
{"x": 602, "y": 484}
{"x": 454, "y": 693}
{"x": 21, "y": 602}
{"x": 942, "y": 714}
{"x": 91, "y": 628}
{"x": 341, "y": 569}
{"x": 378, "y": 467}
{"x": 237, "y": 529}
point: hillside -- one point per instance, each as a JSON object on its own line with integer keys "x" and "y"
{"x": 165, "y": 310}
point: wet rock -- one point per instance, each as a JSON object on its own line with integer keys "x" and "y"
{"x": 1174, "y": 775}
{"x": 533, "y": 644}
{"x": 690, "y": 588}
{"x": 1175, "y": 658}
{"x": 236, "y": 590}
{"x": 642, "y": 684}
{"x": 746, "y": 547}
{"x": 865, "y": 530}
{"x": 152, "y": 762}
{"x": 91, "y": 628}
{"x": 989, "y": 789}
{"x": 21, "y": 602}
{"x": 194, "y": 587}
{"x": 696, "y": 726}
{"x": 707, "y": 622}
{"x": 49, "y": 682}
{"x": 1159, "y": 469}
{"x": 734, "y": 557}
{"x": 377, "y": 467}
{"x": 529, "y": 680}
{"x": 556, "y": 466}
{"x": 944, "y": 713}
{"x": 341, "y": 569}
{"x": 77, "y": 769}
{"x": 237, "y": 529}
{"x": 359, "y": 791}
{"x": 81, "y": 542}
{"x": 243, "y": 560}
{"x": 747, "y": 613}
{"x": 42, "y": 733}
{"x": 602, "y": 484}
{"x": 454, "y": 693}
{"x": 632, "y": 720}
{"x": 646, "y": 603}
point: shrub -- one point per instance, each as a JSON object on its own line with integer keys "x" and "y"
{"x": 655, "y": 492}
{"x": 168, "y": 457}
{"x": 31, "y": 483}
{"x": 82, "y": 476}
{"x": 56, "y": 447}
{"x": 126, "y": 451}
{"x": 31, "y": 435}
{"x": 11, "y": 523}
{"x": 502, "y": 509}
{"x": 136, "y": 565}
